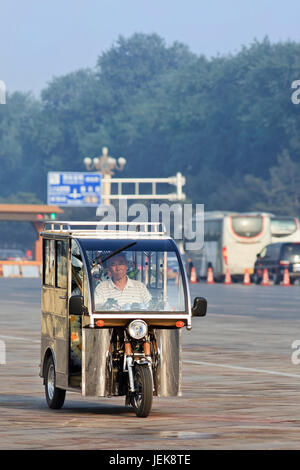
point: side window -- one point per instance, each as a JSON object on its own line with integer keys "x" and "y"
{"x": 277, "y": 252}
{"x": 61, "y": 264}
{"x": 269, "y": 252}
{"x": 77, "y": 270}
{"x": 271, "y": 249}
{"x": 263, "y": 252}
{"x": 48, "y": 262}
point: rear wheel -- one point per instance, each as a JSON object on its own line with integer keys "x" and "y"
{"x": 142, "y": 399}
{"x": 55, "y": 396}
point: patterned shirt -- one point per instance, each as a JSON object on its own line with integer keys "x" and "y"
{"x": 133, "y": 292}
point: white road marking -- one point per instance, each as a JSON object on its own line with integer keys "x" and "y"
{"x": 246, "y": 369}
{"x": 199, "y": 363}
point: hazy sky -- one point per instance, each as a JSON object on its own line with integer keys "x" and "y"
{"x": 40, "y": 39}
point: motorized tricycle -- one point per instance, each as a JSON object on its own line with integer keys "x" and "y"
{"x": 113, "y": 306}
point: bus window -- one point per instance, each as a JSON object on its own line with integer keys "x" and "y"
{"x": 212, "y": 230}
{"x": 281, "y": 227}
{"x": 247, "y": 226}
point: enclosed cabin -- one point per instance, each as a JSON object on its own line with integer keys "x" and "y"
{"x": 82, "y": 304}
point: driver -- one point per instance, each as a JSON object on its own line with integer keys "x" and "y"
{"x": 120, "y": 287}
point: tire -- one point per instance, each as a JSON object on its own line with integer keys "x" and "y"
{"x": 142, "y": 399}
{"x": 55, "y": 397}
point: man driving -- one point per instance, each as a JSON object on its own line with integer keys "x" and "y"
{"x": 120, "y": 287}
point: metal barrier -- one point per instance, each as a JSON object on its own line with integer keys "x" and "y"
{"x": 19, "y": 269}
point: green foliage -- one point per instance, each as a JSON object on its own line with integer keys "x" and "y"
{"x": 222, "y": 122}
{"x": 280, "y": 193}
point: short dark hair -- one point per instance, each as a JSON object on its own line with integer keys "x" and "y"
{"x": 119, "y": 255}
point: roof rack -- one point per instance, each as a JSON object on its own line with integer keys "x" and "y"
{"x": 104, "y": 229}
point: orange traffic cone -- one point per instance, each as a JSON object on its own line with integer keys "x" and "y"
{"x": 247, "y": 280}
{"x": 210, "y": 276}
{"x": 193, "y": 279}
{"x": 286, "y": 278}
{"x": 227, "y": 277}
{"x": 265, "y": 279}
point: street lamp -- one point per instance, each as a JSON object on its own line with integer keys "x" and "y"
{"x": 106, "y": 165}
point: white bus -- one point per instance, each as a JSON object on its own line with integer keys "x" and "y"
{"x": 231, "y": 240}
{"x": 285, "y": 229}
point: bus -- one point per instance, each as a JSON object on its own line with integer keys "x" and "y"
{"x": 285, "y": 229}
{"x": 231, "y": 241}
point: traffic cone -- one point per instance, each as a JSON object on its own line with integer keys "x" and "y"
{"x": 265, "y": 279}
{"x": 247, "y": 280}
{"x": 193, "y": 279}
{"x": 227, "y": 277}
{"x": 286, "y": 278}
{"x": 210, "y": 276}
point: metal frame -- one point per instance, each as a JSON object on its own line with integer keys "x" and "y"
{"x": 106, "y": 234}
{"x": 177, "y": 181}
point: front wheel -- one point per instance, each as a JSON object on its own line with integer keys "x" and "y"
{"x": 142, "y": 399}
{"x": 55, "y": 396}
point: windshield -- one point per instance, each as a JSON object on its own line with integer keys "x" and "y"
{"x": 247, "y": 226}
{"x": 291, "y": 252}
{"x": 283, "y": 227}
{"x": 134, "y": 277}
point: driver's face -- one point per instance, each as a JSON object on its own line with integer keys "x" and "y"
{"x": 117, "y": 267}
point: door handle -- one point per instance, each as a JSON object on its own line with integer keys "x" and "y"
{"x": 62, "y": 297}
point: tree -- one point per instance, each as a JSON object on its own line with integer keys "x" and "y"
{"x": 281, "y": 192}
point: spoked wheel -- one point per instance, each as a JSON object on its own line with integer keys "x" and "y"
{"x": 142, "y": 399}
{"x": 55, "y": 396}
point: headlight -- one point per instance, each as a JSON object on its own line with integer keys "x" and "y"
{"x": 138, "y": 329}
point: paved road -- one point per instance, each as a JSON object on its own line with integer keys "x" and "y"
{"x": 240, "y": 387}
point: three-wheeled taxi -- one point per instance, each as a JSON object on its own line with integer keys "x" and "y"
{"x": 113, "y": 306}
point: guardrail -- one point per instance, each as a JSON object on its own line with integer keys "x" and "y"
{"x": 20, "y": 268}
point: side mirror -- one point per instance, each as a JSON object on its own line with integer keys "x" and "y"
{"x": 76, "y": 305}
{"x": 199, "y": 307}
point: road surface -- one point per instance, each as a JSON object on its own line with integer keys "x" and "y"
{"x": 241, "y": 389}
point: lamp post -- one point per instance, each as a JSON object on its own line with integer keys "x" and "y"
{"x": 105, "y": 164}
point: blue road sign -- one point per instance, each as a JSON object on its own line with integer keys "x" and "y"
{"x": 74, "y": 189}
